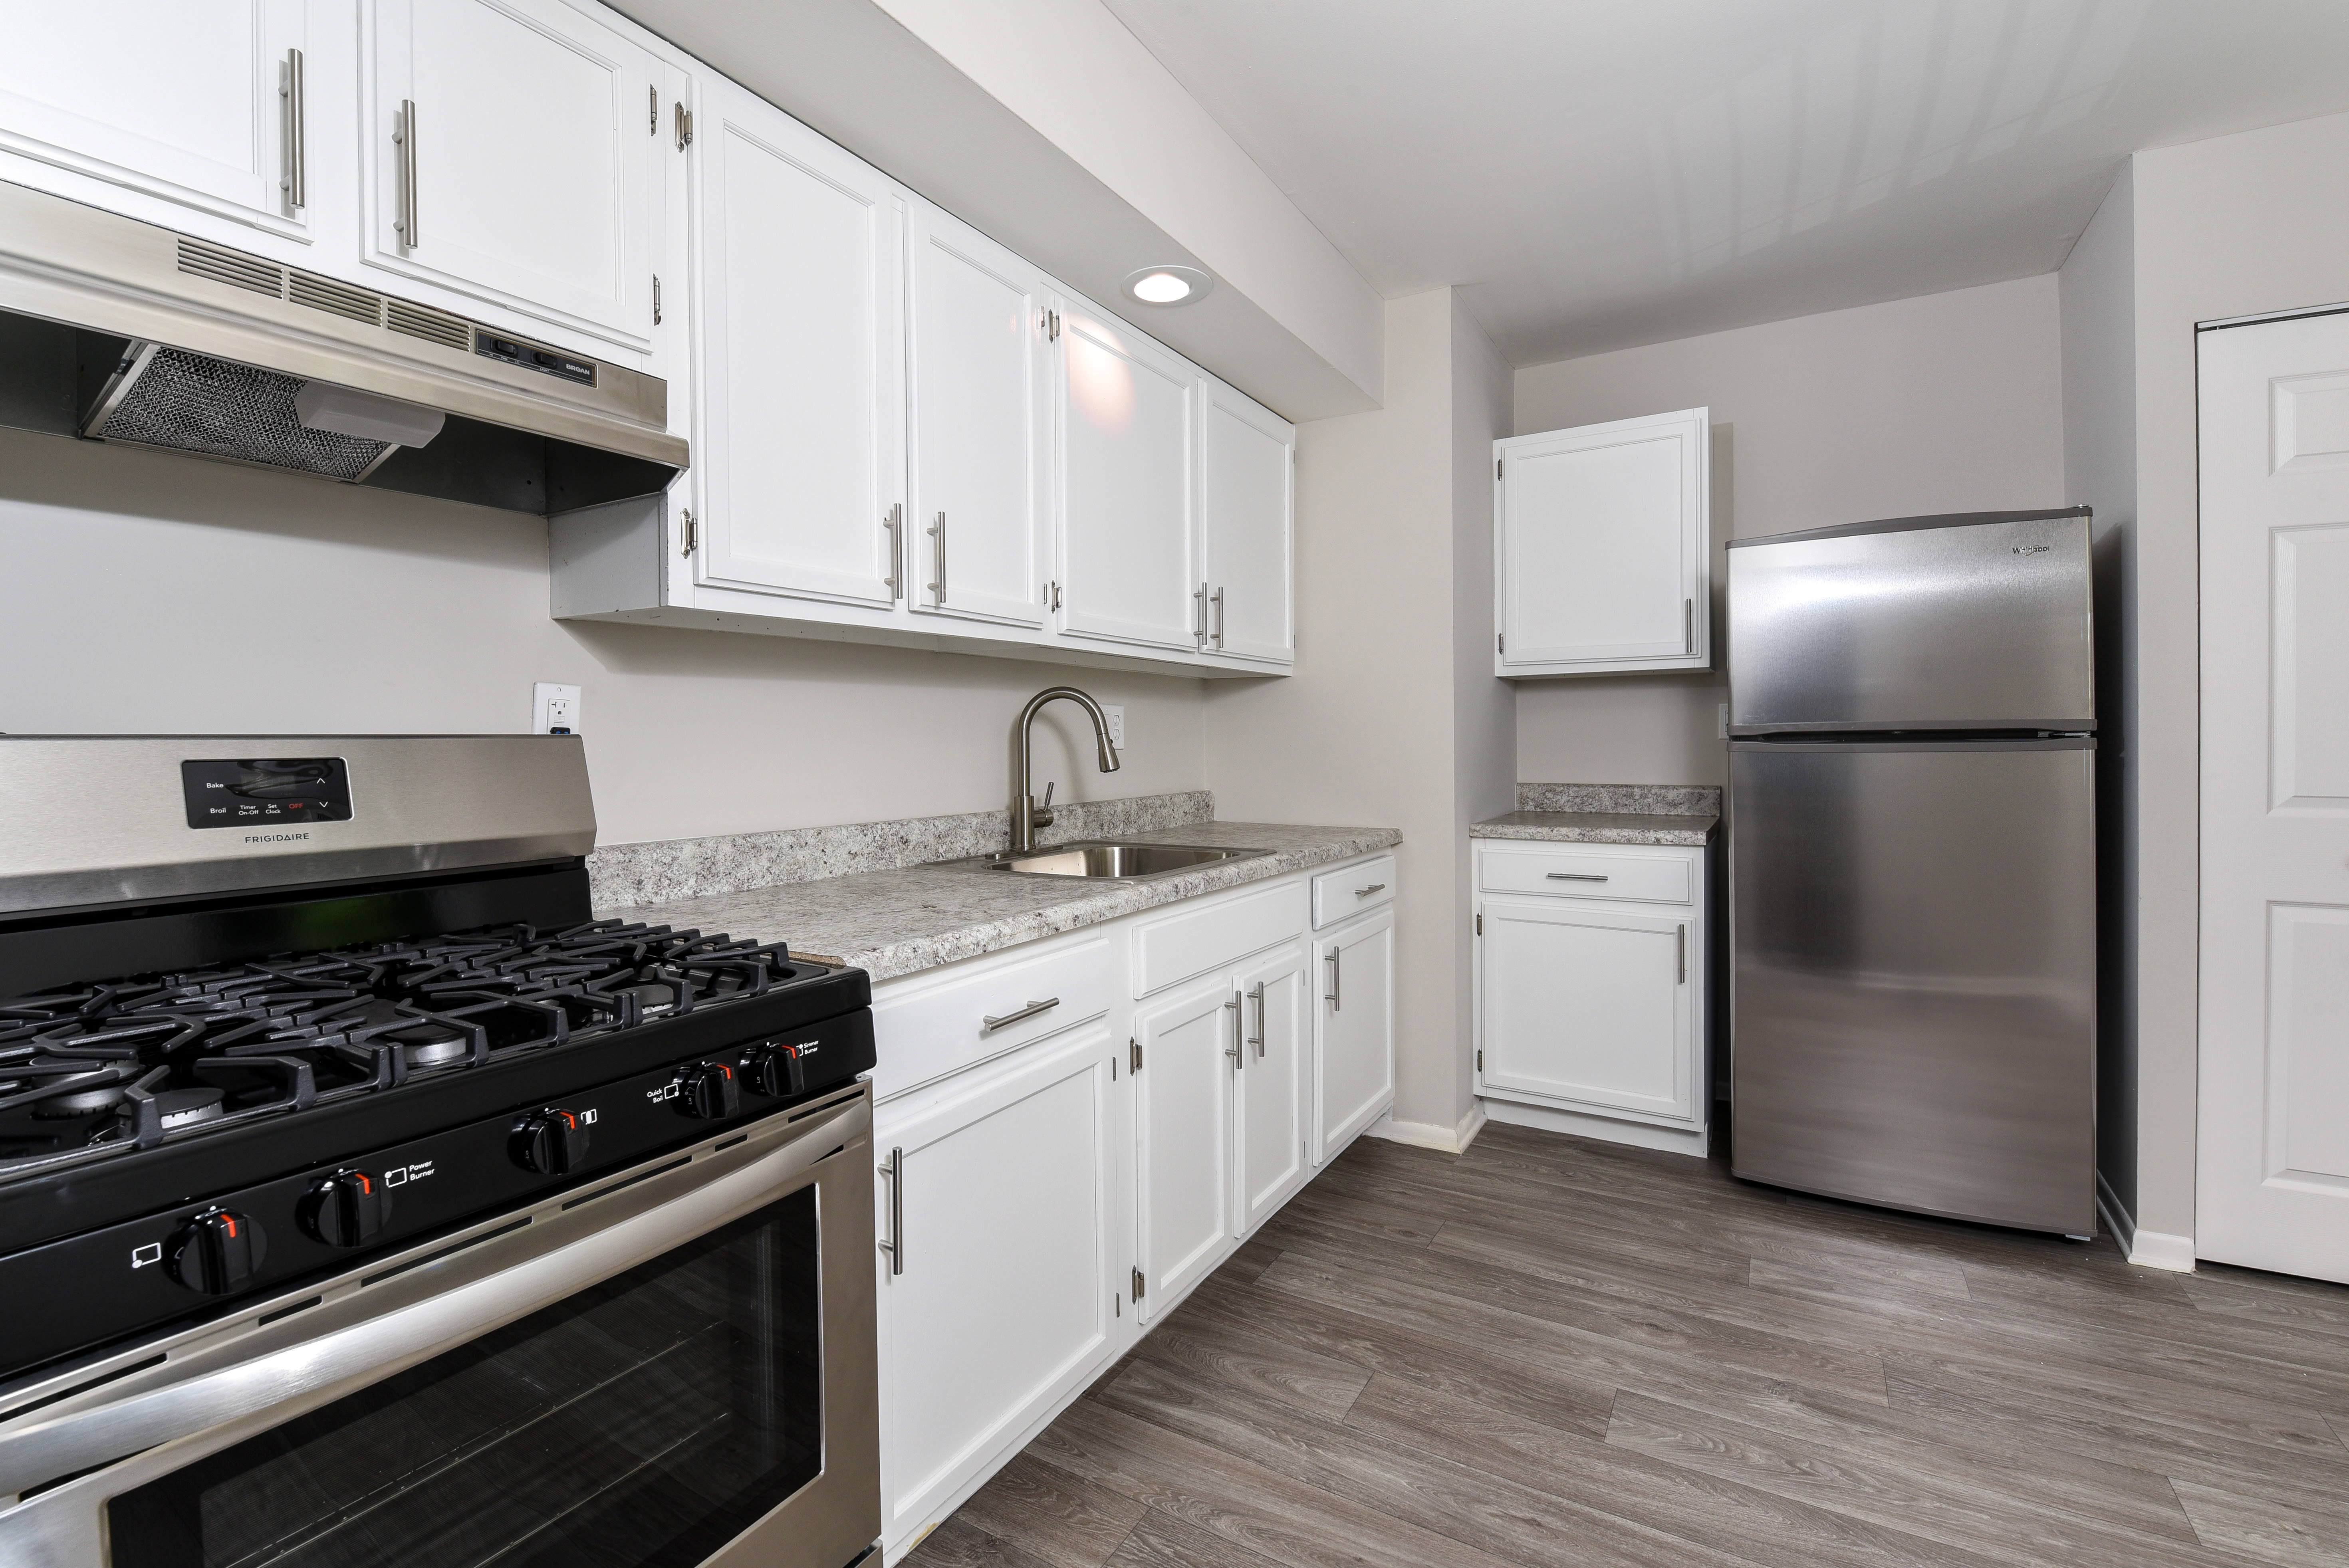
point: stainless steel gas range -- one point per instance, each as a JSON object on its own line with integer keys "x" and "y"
{"x": 364, "y": 1202}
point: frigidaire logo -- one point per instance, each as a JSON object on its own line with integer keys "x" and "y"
{"x": 2032, "y": 549}
{"x": 273, "y": 838}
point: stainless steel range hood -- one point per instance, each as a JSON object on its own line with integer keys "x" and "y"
{"x": 119, "y": 331}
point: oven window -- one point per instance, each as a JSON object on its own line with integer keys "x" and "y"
{"x": 641, "y": 1424}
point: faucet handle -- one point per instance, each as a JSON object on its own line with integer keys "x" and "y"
{"x": 1048, "y": 786}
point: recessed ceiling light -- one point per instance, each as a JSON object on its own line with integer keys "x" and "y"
{"x": 1168, "y": 286}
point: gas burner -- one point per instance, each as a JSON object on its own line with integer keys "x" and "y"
{"x": 132, "y": 1062}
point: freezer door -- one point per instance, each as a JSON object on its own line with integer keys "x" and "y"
{"x": 1952, "y": 626}
{"x": 1912, "y": 1007}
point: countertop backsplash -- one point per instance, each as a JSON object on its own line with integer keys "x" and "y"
{"x": 1642, "y": 799}
{"x": 664, "y": 870}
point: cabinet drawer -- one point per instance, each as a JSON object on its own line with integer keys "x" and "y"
{"x": 1351, "y": 889}
{"x": 1192, "y": 943}
{"x": 935, "y": 1024}
{"x": 1640, "y": 878}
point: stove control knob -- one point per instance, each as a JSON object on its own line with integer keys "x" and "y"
{"x": 346, "y": 1210}
{"x": 551, "y": 1142}
{"x": 709, "y": 1089}
{"x": 216, "y": 1253}
{"x": 776, "y": 1070}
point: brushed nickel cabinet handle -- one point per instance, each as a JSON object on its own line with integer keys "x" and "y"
{"x": 1366, "y": 892}
{"x": 297, "y": 180}
{"x": 1256, "y": 994}
{"x": 1575, "y": 876}
{"x": 937, "y": 531}
{"x": 1680, "y": 953}
{"x": 1337, "y": 981}
{"x": 405, "y": 135}
{"x": 1688, "y": 626}
{"x": 1216, "y": 599}
{"x": 894, "y": 520}
{"x": 989, "y": 1025}
{"x": 1237, "y": 1050}
{"x": 895, "y": 1246}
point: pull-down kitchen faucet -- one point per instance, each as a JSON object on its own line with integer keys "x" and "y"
{"x": 1026, "y": 815}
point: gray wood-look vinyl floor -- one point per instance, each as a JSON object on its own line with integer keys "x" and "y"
{"x": 1548, "y": 1350}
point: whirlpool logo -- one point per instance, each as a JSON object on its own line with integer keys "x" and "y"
{"x": 274, "y": 838}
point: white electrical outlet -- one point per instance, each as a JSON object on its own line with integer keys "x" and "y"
{"x": 553, "y": 709}
{"x": 1116, "y": 723}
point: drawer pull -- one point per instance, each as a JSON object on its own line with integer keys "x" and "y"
{"x": 1575, "y": 876}
{"x": 1366, "y": 892}
{"x": 895, "y": 1246}
{"x": 987, "y": 1026}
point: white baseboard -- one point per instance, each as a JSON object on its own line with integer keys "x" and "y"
{"x": 1639, "y": 1134}
{"x": 2148, "y": 1249}
{"x": 1428, "y": 1134}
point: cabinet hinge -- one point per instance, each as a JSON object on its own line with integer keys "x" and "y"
{"x": 1501, "y": 641}
{"x": 1137, "y": 1284}
{"x": 684, "y": 126}
{"x": 691, "y": 530}
{"x": 1051, "y": 322}
{"x": 1052, "y": 596}
{"x": 1480, "y": 924}
{"x": 657, "y": 316}
{"x": 652, "y": 116}
{"x": 1480, "y": 1061}
{"x": 1133, "y": 1054}
{"x": 1498, "y": 464}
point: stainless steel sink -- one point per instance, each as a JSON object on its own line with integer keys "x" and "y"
{"x": 1107, "y": 860}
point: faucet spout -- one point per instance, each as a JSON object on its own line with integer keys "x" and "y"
{"x": 1026, "y": 815}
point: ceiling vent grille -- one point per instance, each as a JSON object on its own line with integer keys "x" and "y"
{"x": 334, "y": 298}
{"x": 234, "y": 268}
{"x": 431, "y": 326}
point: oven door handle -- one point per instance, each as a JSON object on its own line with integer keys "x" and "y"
{"x": 355, "y": 1340}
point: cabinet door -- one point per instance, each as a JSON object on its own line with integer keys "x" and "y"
{"x": 800, "y": 299}
{"x": 1588, "y": 1006}
{"x": 1353, "y": 1068}
{"x": 529, "y": 176}
{"x": 1182, "y": 1118}
{"x": 1272, "y": 1097}
{"x": 981, "y": 427}
{"x": 184, "y": 99}
{"x": 1246, "y": 491}
{"x": 1002, "y": 1303}
{"x": 1123, "y": 408}
{"x": 1601, "y": 560}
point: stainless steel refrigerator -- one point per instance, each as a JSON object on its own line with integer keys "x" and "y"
{"x": 1912, "y": 865}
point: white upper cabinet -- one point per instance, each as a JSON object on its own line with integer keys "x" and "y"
{"x": 188, "y": 100}
{"x": 800, "y": 449}
{"x": 982, "y": 427}
{"x": 1602, "y": 561}
{"x": 1125, "y": 408}
{"x": 513, "y": 151}
{"x": 1246, "y": 504}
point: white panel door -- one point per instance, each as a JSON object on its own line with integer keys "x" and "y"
{"x": 1601, "y": 561}
{"x": 1123, "y": 411}
{"x": 1588, "y": 1006}
{"x": 1273, "y": 1096}
{"x": 2272, "y": 1159}
{"x": 184, "y": 99}
{"x": 800, "y": 294}
{"x": 1246, "y": 488}
{"x": 981, "y": 423}
{"x": 1182, "y": 1120}
{"x": 1003, "y": 1302}
{"x": 1353, "y": 1070}
{"x": 531, "y": 174}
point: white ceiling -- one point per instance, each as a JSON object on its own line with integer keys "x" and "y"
{"x": 1600, "y": 173}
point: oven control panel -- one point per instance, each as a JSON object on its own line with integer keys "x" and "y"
{"x": 266, "y": 792}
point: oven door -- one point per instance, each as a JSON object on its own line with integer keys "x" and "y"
{"x": 672, "y": 1368}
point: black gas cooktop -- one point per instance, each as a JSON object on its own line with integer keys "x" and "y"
{"x": 109, "y": 1068}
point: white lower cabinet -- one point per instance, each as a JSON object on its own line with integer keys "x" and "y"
{"x": 999, "y": 1297}
{"x": 1183, "y": 1099}
{"x": 1055, "y": 1177}
{"x": 1353, "y": 1029}
{"x": 1590, "y": 1000}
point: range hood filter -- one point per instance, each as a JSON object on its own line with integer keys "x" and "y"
{"x": 188, "y": 402}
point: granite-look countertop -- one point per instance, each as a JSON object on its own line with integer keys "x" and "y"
{"x": 1598, "y": 826}
{"x": 897, "y": 922}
